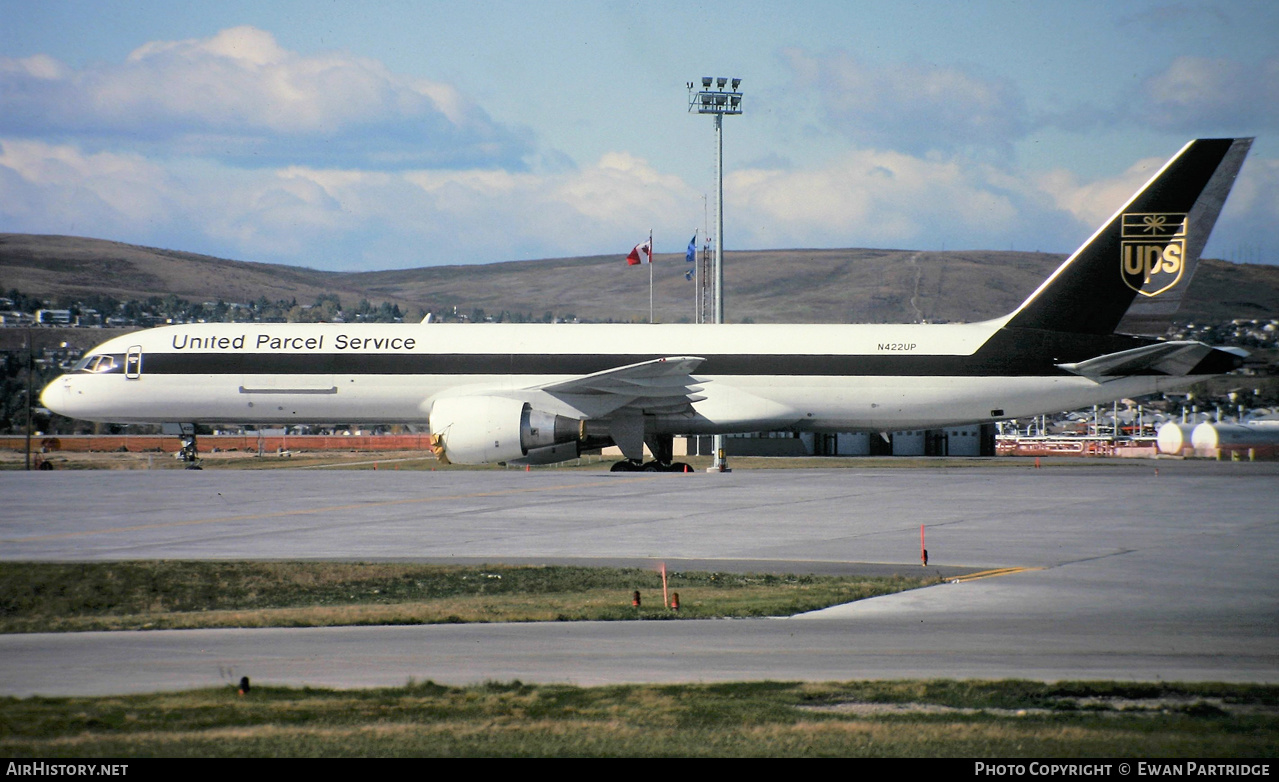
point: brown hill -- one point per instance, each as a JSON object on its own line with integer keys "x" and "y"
{"x": 68, "y": 266}
{"x": 766, "y": 286}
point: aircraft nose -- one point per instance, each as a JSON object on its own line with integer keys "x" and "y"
{"x": 53, "y": 396}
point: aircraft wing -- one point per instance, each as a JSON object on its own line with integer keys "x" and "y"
{"x": 1164, "y": 358}
{"x": 663, "y": 386}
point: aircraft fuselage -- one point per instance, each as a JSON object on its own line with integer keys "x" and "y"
{"x": 832, "y": 378}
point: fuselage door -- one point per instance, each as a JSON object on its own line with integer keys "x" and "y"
{"x": 133, "y": 363}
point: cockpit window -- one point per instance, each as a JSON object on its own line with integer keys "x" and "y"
{"x": 98, "y": 364}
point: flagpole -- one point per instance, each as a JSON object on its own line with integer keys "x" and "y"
{"x": 696, "y": 281}
{"x": 650, "y": 276}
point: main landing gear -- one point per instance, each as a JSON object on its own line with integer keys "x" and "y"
{"x": 662, "y": 446}
{"x": 628, "y": 465}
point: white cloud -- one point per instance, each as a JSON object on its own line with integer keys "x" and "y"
{"x": 361, "y": 219}
{"x": 40, "y": 66}
{"x": 1198, "y": 95}
{"x": 239, "y": 96}
{"x": 1246, "y": 229}
{"x": 248, "y": 44}
{"x": 55, "y": 188}
{"x": 874, "y": 198}
{"x": 912, "y": 108}
{"x": 1093, "y": 202}
{"x": 340, "y": 218}
{"x": 1250, "y": 211}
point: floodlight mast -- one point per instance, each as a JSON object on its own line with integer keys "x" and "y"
{"x": 719, "y": 101}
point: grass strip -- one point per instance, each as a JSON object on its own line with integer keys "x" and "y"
{"x": 137, "y": 595}
{"x": 761, "y": 719}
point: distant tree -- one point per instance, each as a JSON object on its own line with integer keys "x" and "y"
{"x": 386, "y": 313}
{"x": 327, "y": 308}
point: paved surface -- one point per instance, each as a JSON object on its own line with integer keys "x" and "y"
{"x": 1141, "y": 575}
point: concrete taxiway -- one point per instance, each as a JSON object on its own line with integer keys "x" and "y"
{"x": 1130, "y": 570}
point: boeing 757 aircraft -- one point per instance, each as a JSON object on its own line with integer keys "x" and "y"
{"x": 541, "y": 393}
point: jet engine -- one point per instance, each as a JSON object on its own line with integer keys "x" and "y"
{"x": 486, "y": 429}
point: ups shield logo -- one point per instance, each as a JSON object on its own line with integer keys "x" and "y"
{"x": 1152, "y": 251}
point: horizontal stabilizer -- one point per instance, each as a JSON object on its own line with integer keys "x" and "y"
{"x": 1163, "y": 358}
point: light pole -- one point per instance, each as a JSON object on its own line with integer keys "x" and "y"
{"x": 31, "y": 366}
{"x": 718, "y": 96}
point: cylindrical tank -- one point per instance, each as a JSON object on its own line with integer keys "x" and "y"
{"x": 1174, "y": 438}
{"x": 1261, "y": 437}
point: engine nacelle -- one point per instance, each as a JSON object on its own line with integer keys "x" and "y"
{"x": 486, "y": 429}
{"x": 551, "y": 454}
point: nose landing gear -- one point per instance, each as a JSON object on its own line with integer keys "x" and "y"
{"x": 188, "y": 453}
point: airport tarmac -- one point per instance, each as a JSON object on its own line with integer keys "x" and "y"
{"x": 1141, "y": 570}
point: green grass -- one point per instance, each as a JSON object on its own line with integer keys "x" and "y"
{"x": 764, "y": 719}
{"x": 53, "y": 597}
{"x": 937, "y": 718}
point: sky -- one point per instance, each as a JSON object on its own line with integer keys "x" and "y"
{"x": 380, "y": 135}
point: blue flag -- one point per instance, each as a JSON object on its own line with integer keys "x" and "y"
{"x": 688, "y": 275}
{"x": 691, "y": 255}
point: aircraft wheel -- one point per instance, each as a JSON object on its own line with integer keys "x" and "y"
{"x": 678, "y": 467}
{"x": 626, "y": 465}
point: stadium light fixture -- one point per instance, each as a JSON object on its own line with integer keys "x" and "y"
{"x": 718, "y": 102}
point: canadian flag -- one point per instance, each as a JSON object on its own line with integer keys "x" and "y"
{"x": 643, "y": 253}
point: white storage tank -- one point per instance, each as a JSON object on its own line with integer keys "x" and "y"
{"x": 1261, "y": 437}
{"x": 1175, "y": 439}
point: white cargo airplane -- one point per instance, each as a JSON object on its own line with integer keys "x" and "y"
{"x": 541, "y": 393}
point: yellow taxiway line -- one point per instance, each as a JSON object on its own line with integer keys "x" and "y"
{"x": 1003, "y": 571}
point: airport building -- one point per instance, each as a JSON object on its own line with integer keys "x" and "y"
{"x": 969, "y": 440}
